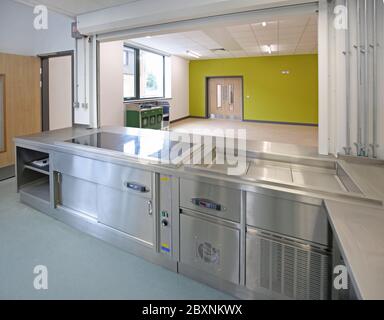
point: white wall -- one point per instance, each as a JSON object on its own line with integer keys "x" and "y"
{"x": 112, "y": 91}
{"x": 180, "y": 88}
{"x": 111, "y": 84}
{"x": 18, "y": 35}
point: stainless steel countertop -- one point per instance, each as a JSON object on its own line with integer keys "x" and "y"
{"x": 356, "y": 220}
{"x": 370, "y": 177}
{"x": 359, "y": 232}
{"x": 277, "y": 152}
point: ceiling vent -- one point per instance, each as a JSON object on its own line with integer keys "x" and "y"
{"x": 218, "y": 50}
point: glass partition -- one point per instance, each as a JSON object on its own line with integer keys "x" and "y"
{"x": 219, "y": 96}
{"x": 231, "y": 97}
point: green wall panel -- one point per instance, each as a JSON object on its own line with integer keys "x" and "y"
{"x": 269, "y": 95}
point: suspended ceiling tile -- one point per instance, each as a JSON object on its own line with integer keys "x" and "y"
{"x": 76, "y": 7}
{"x": 241, "y": 28}
{"x": 292, "y": 24}
{"x": 313, "y": 20}
{"x": 285, "y": 33}
{"x": 203, "y": 39}
{"x": 223, "y": 38}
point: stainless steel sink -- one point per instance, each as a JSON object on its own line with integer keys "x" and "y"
{"x": 318, "y": 175}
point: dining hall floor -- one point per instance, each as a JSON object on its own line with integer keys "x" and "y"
{"x": 79, "y": 266}
{"x": 281, "y": 133}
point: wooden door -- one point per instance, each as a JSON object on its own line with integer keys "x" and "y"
{"x": 225, "y": 98}
{"x": 21, "y": 104}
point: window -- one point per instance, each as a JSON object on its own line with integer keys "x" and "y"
{"x": 145, "y": 74}
{"x": 151, "y": 75}
{"x": 129, "y": 63}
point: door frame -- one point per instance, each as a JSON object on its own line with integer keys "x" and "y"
{"x": 44, "y": 72}
{"x": 207, "y": 93}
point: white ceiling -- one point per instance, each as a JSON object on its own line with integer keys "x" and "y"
{"x": 74, "y": 8}
{"x": 286, "y": 35}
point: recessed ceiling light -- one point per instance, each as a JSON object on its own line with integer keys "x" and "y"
{"x": 264, "y": 24}
{"x": 193, "y": 54}
{"x": 268, "y": 49}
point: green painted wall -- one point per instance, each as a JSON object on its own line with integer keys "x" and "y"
{"x": 268, "y": 94}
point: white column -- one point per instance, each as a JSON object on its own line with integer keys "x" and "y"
{"x": 92, "y": 83}
{"x": 340, "y": 106}
{"x": 323, "y": 78}
{"x": 86, "y": 111}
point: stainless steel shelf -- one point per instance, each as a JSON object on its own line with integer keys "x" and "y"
{"x": 43, "y": 170}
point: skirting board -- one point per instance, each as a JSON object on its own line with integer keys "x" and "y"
{"x": 256, "y": 121}
{"x": 180, "y": 119}
{"x": 286, "y": 123}
{"x": 7, "y": 172}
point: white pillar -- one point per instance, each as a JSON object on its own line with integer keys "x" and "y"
{"x": 86, "y": 108}
{"x": 323, "y": 78}
{"x": 93, "y": 94}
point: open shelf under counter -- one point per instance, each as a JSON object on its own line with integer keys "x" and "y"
{"x": 39, "y": 189}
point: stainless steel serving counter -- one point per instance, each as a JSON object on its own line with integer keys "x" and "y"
{"x": 346, "y": 187}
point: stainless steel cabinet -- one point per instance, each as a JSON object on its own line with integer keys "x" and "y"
{"x": 104, "y": 173}
{"x": 214, "y": 200}
{"x": 210, "y": 247}
{"x": 78, "y": 195}
{"x": 296, "y": 219}
{"x": 117, "y": 196}
{"x": 124, "y": 211}
{"x": 287, "y": 246}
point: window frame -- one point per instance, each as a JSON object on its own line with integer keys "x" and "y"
{"x": 137, "y": 69}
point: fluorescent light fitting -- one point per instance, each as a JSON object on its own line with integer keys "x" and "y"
{"x": 148, "y": 37}
{"x": 264, "y": 24}
{"x": 194, "y": 54}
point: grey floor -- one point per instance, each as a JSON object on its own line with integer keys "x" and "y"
{"x": 79, "y": 266}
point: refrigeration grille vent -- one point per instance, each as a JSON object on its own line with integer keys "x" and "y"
{"x": 292, "y": 271}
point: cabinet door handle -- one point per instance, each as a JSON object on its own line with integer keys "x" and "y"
{"x": 137, "y": 187}
{"x": 150, "y": 208}
{"x": 207, "y": 204}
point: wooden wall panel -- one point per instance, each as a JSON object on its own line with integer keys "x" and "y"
{"x": 22, "y": 100}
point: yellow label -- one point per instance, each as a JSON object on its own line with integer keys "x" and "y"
{"x": 164, "y": 179}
